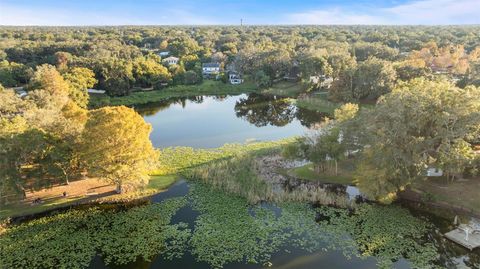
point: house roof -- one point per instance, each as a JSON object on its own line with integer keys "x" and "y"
{"x": 211, "y": 65}
{"x": 171, "y": 58}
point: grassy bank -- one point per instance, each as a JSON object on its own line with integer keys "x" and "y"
{"x": 318, "y": 102}
{"x": 173, "y": 162}
{"x": 52, "y": 199}
{"x": 460, "y": 194}
{"x": 208, "y": 87}
{"x": 344, "y": 176}
{"x": 284, "y": 89}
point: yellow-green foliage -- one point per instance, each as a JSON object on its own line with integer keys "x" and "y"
{"x": 177, "y": 159}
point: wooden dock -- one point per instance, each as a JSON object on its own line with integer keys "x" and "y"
{"x": 459, "y": 236}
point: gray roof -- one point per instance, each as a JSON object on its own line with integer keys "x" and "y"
{"x": 211, "y": 65}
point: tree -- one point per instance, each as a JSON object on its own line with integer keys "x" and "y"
{"x": 321, "y": 149}
{"x": 364, "y": 50}
{"x": 346, "y": 112}
{"x": 262, "y": 80}
{"x": 116, "y": 146}
{"x": 13, "y": 74}
{"x": 369, "y": 80}
{"x": 61, "y": 60}
{"x": 148, "y": 72}
{"x": 80, "y": 80}
{"x": 420, "y": 124}
{"x": 191, "y": 78}
{"x": 25, "y": 161}
{"x": 47, "y": 78}
{"x": 117, "y": 77}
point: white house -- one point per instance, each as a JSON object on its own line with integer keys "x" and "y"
{"x": 163, "y": 53}
{"x": 322, "y": 80}
{"x": 434, "y": 172}
{"x": 170, "y": 60}
{"x": 210, "y": 69}
{"x": 95, "y": 91}
{"x": 235, "y": 78}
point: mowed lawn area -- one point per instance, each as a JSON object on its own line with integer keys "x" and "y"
{"x": 284, "y": 89}
{"x": 344, "y": 176}
{"x": 207, "y": 87}
{"x": 81, "y": 191}
{"x": 463, "y": 193}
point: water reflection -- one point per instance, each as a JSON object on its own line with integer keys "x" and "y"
{"x": 211, "y": 121}
{"x": 261, "y": 110}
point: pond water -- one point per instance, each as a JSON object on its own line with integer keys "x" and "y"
{"x": 444, "y": 254}
{"x": 212, "y": 121}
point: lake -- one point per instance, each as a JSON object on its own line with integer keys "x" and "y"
{"x": 212, "y": 121}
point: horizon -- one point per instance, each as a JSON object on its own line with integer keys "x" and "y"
{"x": 230, "y": 13}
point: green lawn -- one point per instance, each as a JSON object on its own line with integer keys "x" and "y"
{"x": 208, "y": 87}
{"x": 26, "y": 209}
{"x": 461, "y": 193}
{"x": 318, "y": 102}
{"x": 156, "y": 184}
{"x": 306, "y": 172}
{"x": 284, "y": 89}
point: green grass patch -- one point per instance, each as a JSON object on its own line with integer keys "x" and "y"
{"x": 177, "y": 159}
{"x": 285, "y": 89}
{"x": 21, "y": 209}
{"x": 159, "y": 183}
{"x": 208, "y": 87}
{"x": 307, "y": 172}
{"x": 318, "y": 102}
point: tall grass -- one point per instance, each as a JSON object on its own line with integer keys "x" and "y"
{"x": 177, "y": 159}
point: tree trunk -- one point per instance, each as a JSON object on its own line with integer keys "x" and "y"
{"x": 118, "y": 188}
{"x": 336, "y": 168}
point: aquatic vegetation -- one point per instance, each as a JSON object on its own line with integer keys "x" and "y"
{"x": 387, "y": 233}
{"x": 141, "y": 232}
{"x": 71, "y": 239}
{"x": 177, "y": 159}
{"x": 235, "y": 175}
{"x": 229, "y": 230}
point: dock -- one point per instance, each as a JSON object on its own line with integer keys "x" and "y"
{"x": 460, "y": 237}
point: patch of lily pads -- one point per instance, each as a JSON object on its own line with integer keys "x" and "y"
{"x": 228, "y": 230}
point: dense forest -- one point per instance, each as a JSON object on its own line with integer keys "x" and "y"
{"x": 364, "y": 61}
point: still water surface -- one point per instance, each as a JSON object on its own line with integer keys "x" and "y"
{"x": 212, "y": 121}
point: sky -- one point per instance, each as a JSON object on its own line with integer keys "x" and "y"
{"x": 253, "y": 12}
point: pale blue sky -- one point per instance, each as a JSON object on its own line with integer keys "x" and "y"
{"x": 207, "y": 12}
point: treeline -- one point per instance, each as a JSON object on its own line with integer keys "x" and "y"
{"x": 422, "y": 124}
{"x": 362, "y": 61}
{"x": 48, "y": 137}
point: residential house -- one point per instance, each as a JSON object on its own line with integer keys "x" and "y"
{"x": 434, "y": 172}
{"x": 163, "y": 53}
{"x": 95, "y": 91}
{"x": 210, "y": 69}
{"x": 322, "y": 81}
{"x": 235, "y": 78}
{"x": 170, "y": 60}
